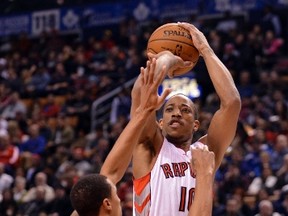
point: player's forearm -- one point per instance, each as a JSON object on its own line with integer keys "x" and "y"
{"x": 120, "y": 156}
{"x": 221, "y": 78}
{"x": 164, "y": 59}
{"x": 203, "y": 199}
{"x": 150, "y": 126}
{"x": 135, "y": 95}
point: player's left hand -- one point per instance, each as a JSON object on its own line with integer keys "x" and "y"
{"x": 203, "y": 160}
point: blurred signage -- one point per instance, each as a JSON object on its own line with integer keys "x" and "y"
{"x": 12, "y": 25}
{"x": 45, "y": 21}
{"x": 87, "y": 16}
{"x": 70, "y": 19}
{"x": 102, "y": 14}
{"x": 186, "y": 85}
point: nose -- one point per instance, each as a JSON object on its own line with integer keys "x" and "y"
{"x": 176, "y": 112}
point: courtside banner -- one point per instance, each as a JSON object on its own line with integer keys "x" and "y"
{"x": 70, "y": 19}
{"x": 102, "y": 14}
{"x": 45, "y": 21}
{"x": 93, "y": 15}
{"x": 13, "y": 25}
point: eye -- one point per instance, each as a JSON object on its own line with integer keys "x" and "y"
{"x": 185, "y": 110}
{"x": 169, "y": 109}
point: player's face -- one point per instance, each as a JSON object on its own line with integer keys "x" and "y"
{"x": 115, "y": 201}
{"x": 178, "y": 121}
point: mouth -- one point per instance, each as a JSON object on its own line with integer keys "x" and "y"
{"x": 175, "y": 123}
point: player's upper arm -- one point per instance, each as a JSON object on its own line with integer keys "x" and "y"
{"x": 222, "y": 129}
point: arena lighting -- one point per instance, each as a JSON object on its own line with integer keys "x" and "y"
{"x": 185, "y": 84}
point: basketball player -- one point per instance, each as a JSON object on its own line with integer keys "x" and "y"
{"x": 163, "y": 181}
{"x": 96, "y": 194}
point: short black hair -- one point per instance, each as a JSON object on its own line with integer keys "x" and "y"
{"x": 196, "y": 114}
{"x": 88, "y": 193}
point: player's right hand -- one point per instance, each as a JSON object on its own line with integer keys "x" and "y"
{"x": 172, "y": 62}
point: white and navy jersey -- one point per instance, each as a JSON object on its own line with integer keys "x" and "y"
{"x": 168, "y": 189}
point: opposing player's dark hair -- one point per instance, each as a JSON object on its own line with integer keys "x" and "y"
{"x": 88, "y": 193}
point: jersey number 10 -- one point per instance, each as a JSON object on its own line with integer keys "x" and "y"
{"x": 183, "y": 198}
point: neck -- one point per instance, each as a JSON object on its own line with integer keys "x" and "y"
{"x": 179, "y": 143}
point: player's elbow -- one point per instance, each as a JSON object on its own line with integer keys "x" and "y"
{"x": 112, "y": 175}
{"x": 232, "y": 102}
{"x": 136, "y": 87}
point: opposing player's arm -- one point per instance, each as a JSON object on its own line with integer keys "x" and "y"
{"x": 223, "y": 125}
{"x": 203, "y": 164}
{"x": 150, "y": 127}
{"x": 120, "y": 156}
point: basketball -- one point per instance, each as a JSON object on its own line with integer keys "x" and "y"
{"x": 175, "y": 39}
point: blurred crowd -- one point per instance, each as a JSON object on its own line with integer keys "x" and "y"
{"x": 48, "y": 84}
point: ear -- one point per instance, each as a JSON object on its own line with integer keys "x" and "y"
{"x": 107, "y": 204}
{"x": 196, "y": 125}
{"x": 160, "y": 123}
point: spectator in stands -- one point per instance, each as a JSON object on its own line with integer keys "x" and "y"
{"x": 50, "y": 108}
{"x": 233, "y": 180}
{"x": 17, "y": 136}
{"x": 3, "y": 69}
{"x": 272, "y": 48}
{"x": 78, "y": 160}
{"x": 60, "y": 81}
{"x": 31, "y": 165}
{"x": 14, "y": 105}
{"x": 251, "y": 162}
{"x": 40, "y": 183}
{"x": 232, "y": 208}
{"x": 99, "y": 152}
{"x": 4, "y": 95}
{"x": 79, "y": 106}
{"x": 9, "y": 154}
{"x": 63, "y": 134}
{"x": 95, "y": 135}
{"x": 36, "y": 205}
{"x": 6, "y": 180}
{"x": 266, "y": 209}
{"x": 61, "y": 205}
{"x": 8, "y": 206}
{"x": 282, "y": 204}
{"x": 282, "y": 173}
{"x": 242, "y": 46}
{"x": 13, "y": 80}
{"x": 120, "y": 106}
{"x": 245, "y": 86}
{"x": 231, "y": 58}
{"x": 39, "y": 81}
{"x": 35, "y": 143}
{"x": 19, "y": 189}
{"x": 266, "y": 180}
{"x": 115, "y": 131}
{"x": 280, "y": 149}
{"x": 271, "y": 21}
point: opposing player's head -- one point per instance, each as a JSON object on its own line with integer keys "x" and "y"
{"x": 95, "y": 195}
{"x": 180, "y": 119}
